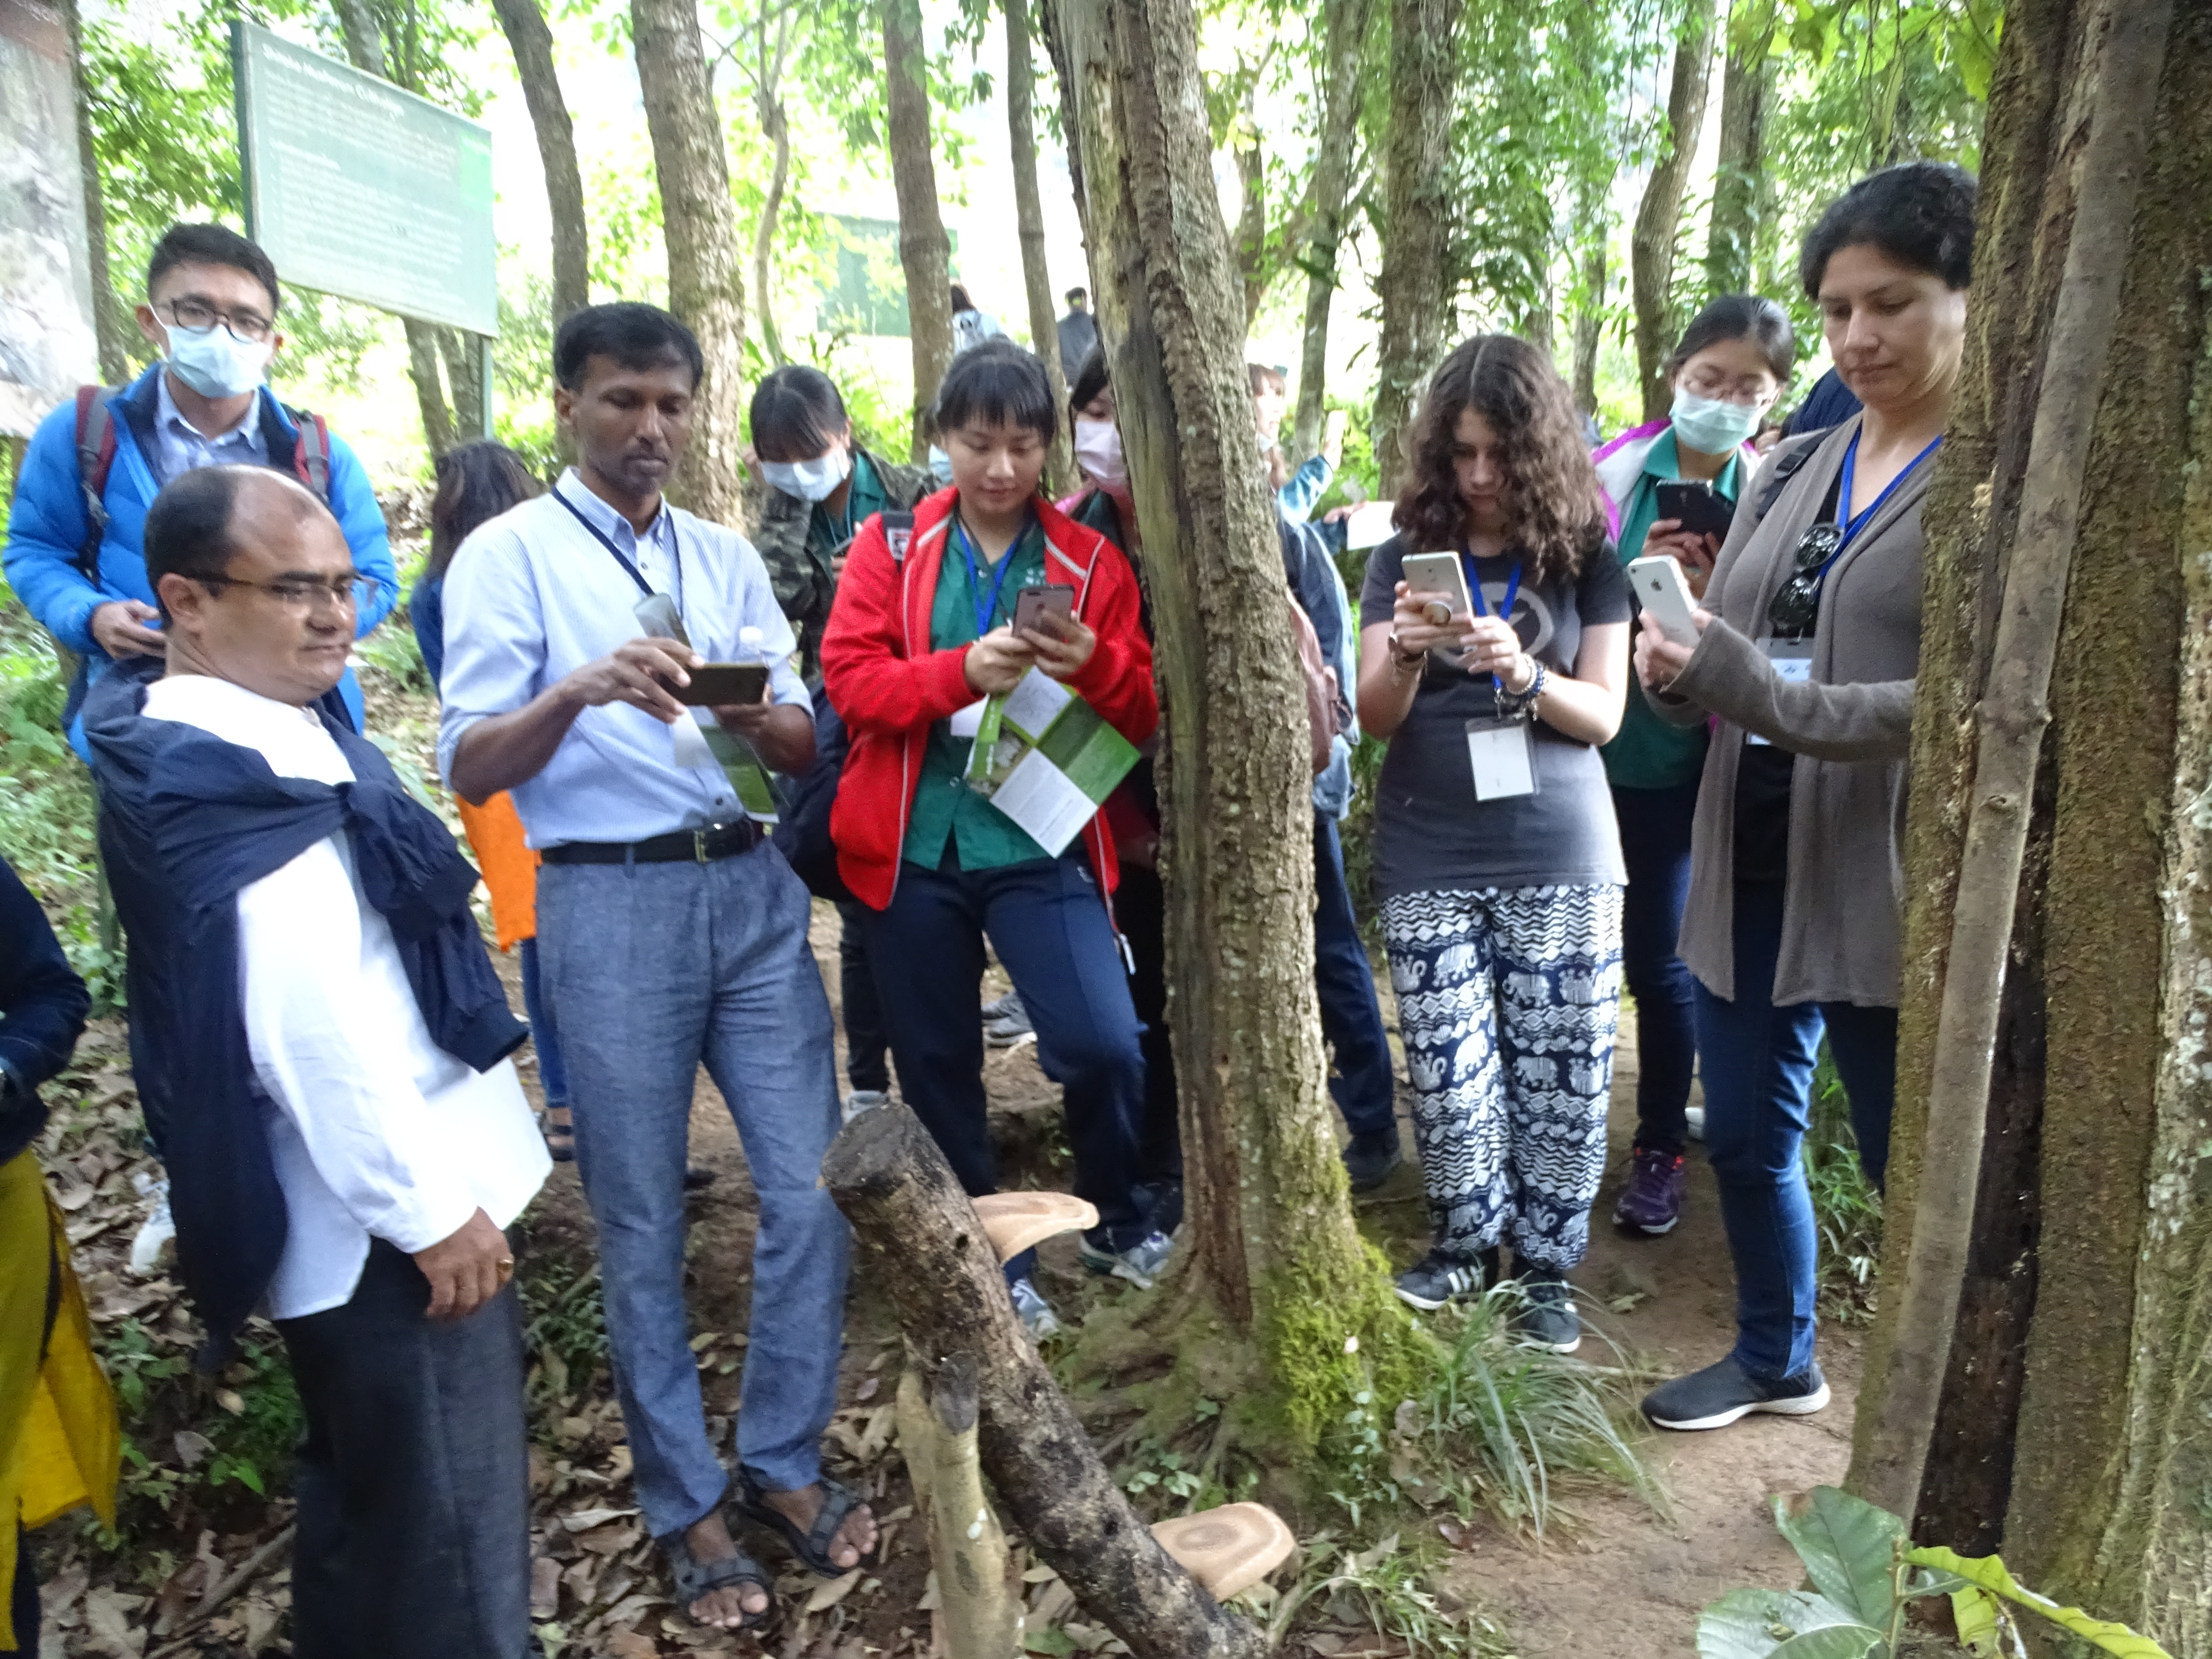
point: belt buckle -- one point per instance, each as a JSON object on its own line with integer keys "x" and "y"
{"x": 699, "y": 845}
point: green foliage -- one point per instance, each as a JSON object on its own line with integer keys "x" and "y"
{"x": 1987, "y": 1578}
{"x": 1388, "y": 1588}
{"x": 1846, "y": 1206}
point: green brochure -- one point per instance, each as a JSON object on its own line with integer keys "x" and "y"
{"x": 1047, "y": 759}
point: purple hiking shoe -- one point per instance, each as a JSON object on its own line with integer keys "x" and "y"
{"x": 1652, "y": 1201}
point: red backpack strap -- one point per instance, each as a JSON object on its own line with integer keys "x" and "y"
{"x": 95, "y": 459}
{"x": 311, "y": 451}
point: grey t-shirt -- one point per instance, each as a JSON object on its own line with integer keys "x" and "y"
{"x": 1432, "y": 834}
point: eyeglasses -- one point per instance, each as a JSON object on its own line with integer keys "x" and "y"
{"x": 1796, "y": 603}
{"x": 1703, "y": 385}
{"x": 246, "y": 327}
{"x": 303, "y": 595}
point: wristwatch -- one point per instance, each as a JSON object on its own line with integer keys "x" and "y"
{"x": 1404, "y": 658}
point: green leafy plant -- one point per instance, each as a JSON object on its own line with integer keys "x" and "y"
{"x": 1866, "y": 1574}
{"x": 1846, "y": 1205}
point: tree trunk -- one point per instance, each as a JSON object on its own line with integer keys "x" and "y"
{"x": 1345, "y": 26}
{"x": 1658, "y": 216}
{"x": 1028, "y": 217}
{"x": 921, "y": 1241}
{"x": 776, "y": 124}
{"x": 1270, "y": 1241}
{"x": 463, "y": 363}
{"x": 2109, "y": 1452}
{"x": 1251, "y": 210}
{"x": 1741, "y": 192}
{"x": 1593, "y": 228}
{"x": 924, "y": 251}
{"x": 531, "y": 43}
{"x": 110, "y": 320}
{"x": 1416, "y": 219}
{"x": 699, "y": 224}
{"x": 939, "y": 1407}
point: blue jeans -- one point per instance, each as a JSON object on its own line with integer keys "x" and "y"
{"x": 1049, "y": 926}
{"x": 652, "y": 969}
{"x": 1351, "y": 1017}
{"x": 1654, "y": 844}
{"x": 1759, "y": 1061}
{"x": 552, "y": 1076}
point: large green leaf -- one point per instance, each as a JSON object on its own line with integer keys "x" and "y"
{"x": 1974, "y": 1610}
{"x": 1836, "y": 1641}
{"x": 1991, "y": 1575}
{"x": 1848, "y": 1546}
{"x": 1751, "y": 1624}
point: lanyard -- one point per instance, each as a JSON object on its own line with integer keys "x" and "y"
{"x": 1855, "y": 522}
{"x": 1505, "y": 609}
{"x": 987, "y": 607}
{"x": 629, "y": 568}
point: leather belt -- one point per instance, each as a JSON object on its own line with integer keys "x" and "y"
{"x": 702, "y": 846}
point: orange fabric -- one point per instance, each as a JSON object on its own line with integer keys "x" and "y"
{"x": 509, "y": 866}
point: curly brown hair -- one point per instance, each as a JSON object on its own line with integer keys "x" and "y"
{"x": 1556, "y": 517}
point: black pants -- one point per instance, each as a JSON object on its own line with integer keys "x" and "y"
{"x": 1140, "y": 906}
{"x": 868, "y": 1044}
{"x": 414, "y": 1479}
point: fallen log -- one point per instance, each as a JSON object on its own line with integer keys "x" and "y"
{"x": 920, "y": 1239}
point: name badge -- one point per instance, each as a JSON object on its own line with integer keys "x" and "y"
{"x": 967, "y": 722}
{"x": 1792, "y": 660}
{"x": 1504, "y": 758}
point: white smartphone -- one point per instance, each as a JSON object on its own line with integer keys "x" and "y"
{"x": 1665, "y": 596}
{"x": 1440, "y": 575}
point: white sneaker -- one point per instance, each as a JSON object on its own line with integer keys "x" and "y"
{"x": 862, "y": 1100}
{"x": 1035, "y": 1313}
{"x": 1696, "y": 1115}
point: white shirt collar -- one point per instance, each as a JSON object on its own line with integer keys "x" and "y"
{"x": 610, "y": 522}
{"x": 168, "y": 417}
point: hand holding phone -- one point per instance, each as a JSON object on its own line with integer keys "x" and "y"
{"x": 1665, "y": 596}
{"x": 724, "y": 685}
{"x": 1032, "y": 605}
{"x": 1438, "y": 581}
{"x": 1697, "y": 506}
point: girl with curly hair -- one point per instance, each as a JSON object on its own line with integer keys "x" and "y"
{"x": 1496, "y": 857}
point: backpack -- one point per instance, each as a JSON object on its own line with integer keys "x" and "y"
{"x": 95, "y": 459}
{"x": 1326, "y": 715}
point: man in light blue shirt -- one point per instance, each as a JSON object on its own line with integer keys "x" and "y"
{"x": 670, "y": 930}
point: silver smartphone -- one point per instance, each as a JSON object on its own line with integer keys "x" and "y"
{"x": 1442, "y": 578}
{"x": 1660, "y": 588}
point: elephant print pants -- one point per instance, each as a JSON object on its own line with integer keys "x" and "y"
{"x": 1508, "y": 999}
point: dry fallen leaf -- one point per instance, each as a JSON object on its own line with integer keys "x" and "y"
{"x": 829, "y": 1594}
{"x": 544, "y": 1587}
{"x": 628, "y": 1644}
{"x": 584, "y": 1520}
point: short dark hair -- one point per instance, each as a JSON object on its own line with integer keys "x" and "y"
{"x": 999, "y": 382}
{"x": 636, "y": 336}
{"x": 1742, "y": 317}
{"x": 1075, "y": 294}
{"x": 1265, "y": 379}
{"x": 1093, "y": 378}
{"x": 796, "y": 412}
{"x": 960, "y": 300}
{"x": 187, "y": 532}
{"x": 212, "y": 244}
{"x": 477, "y": 482}
{"x": 1920, "y": 214}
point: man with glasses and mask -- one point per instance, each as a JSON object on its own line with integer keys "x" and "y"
{"x": 320, "y": 1046}
{"x": 75, "y": 551}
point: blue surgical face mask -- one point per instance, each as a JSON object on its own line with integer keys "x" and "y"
{"x": 811, "y": 480}
{"x": 215, "y": 363}
{"x": 1712, "y": 425}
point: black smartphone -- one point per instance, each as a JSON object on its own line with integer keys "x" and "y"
{"x": 721, "y": 685}
{"x": 1031, "y": 602}
{"x": 1701, "y": 508}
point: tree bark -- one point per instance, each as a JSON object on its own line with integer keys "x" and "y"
{"x": 924, "y": 251}
{"x": 1593, "y": 229}
{"x": 465, "y": 375}
{"x": 1029, "y": 218}
{"x": 980, "y": 1609}
{"x": 532, "y": 42}
{"x": 1251, "y": 210}
{"x": 1659, "y": 215}
{"x": 1344, "y": 24}
{"x": 776, "y": 124}
{"x": 1740, "y": 191}
{"x": 110, "y": 320}
{"x": 1416, "y": 219}
{"x": 1270, "y": 1241}
{"x": 921, "y": 1241}
{"x": 2109, "y": 1452}
{"x": 699, "y": 224}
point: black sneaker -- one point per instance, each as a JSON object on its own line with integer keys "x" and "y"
{"x": 1719, "y": 1395}
{"x": 1369, "y": 1158}
{"x": 1548, "y": 1318}
{"x": 1436, "y": 1279}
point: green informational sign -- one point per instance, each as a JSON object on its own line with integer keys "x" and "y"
{"x": 359, "y": 189}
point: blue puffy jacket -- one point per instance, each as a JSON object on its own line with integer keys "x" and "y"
{"x": 46, "y": 527}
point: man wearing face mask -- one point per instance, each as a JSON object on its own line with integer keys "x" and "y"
{"x": 823, "y": 487}
{"x": 76, "y": 553}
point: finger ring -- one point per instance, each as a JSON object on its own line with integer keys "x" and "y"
{"x": 505, "y": 1267}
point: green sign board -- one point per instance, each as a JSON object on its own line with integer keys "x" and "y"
{"x": 359, "y": 189}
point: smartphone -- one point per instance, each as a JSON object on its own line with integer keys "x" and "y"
{"x": 720, "y": 684}
{"x": 1442, "y": 575}
{"x": 1031, "y": 603}
{"x": 1702, "y": 509}
{"x": 1665, "y": 596}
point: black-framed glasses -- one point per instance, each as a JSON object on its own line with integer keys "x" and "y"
{"x": 304, "y": 594}
{"x": 1796, "y": 603}
{"x": 246, "y": 327}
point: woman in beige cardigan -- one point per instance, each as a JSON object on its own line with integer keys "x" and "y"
{"x": 1807, "y": 660}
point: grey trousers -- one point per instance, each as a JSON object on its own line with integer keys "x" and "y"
{"x": 414, "y": 1478}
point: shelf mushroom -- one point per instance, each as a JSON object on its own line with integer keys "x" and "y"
{"x": 1014, "y": 1221}
{"x": 1228, "y": 1549}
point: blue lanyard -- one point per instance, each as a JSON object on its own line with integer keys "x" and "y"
{"x": 1855, "y": 522}
{"x": 675, "y": 544}
{"x": 987, "y": 607}
{"x": 1504, "y": 609}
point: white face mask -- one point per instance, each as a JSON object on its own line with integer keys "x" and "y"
{"x": 811, "y": 480}
{"x": 214, "y": 362}
{"x": 1712, "y": 426}
{"x": 1098, "y": 453}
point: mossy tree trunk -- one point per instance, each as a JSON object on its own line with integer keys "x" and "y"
{"x": 1272, "y": 1244}
{"x": 1743, "y": 196}
{"x": 1028, "y": 219}
{"x": 1416, "y": 220}
{"x": 530, "y": 39}
{"x": 924, "y": 251}
{"x": 2076, "y": 1405}
{"x": 1345, "y": 33}
{"x": 1659, "y": 215}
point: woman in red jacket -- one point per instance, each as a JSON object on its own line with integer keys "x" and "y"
{"x": 919, "y": 635}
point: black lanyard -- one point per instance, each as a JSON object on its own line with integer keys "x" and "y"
{"x": 629, "y": 568}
